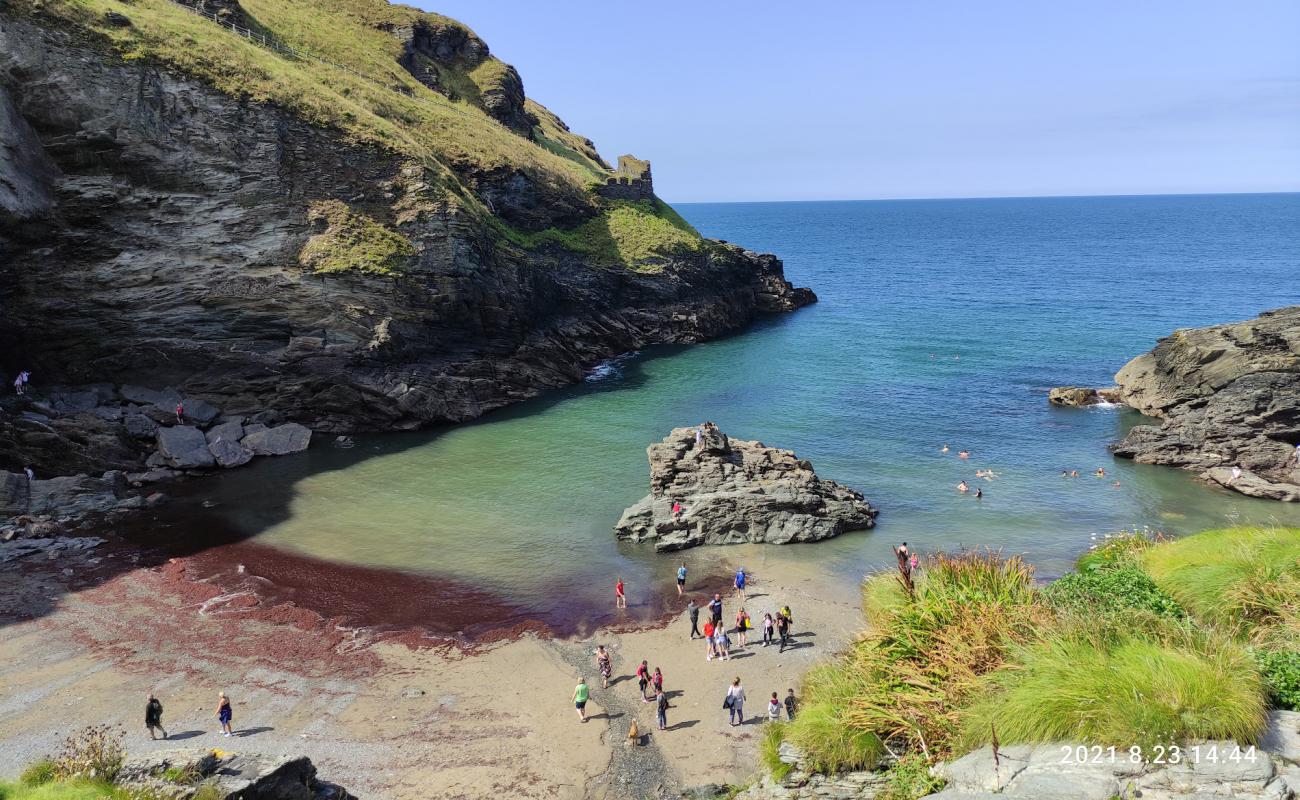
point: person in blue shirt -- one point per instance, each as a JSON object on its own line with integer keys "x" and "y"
{"x": 681, "y": 579}
{"x": 715, "y": 609}
{"x": 740, "y": 583}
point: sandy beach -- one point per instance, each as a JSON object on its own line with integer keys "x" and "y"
{"x": 395, "y": 714}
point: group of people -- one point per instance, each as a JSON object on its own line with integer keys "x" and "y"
{"x": 1099, "y": 472}
{"x": 20, "y": 382}
{"x": 699, "y": 432}
{"x": 777, "y": 629}
{"x": 153, "y": 711}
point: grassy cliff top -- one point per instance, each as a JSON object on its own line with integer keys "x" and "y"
{"x": 441, "y": 106}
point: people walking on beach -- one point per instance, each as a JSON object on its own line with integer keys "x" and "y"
{"x": 580, "y": 694}
{"x": 735, "y": 702}
{"x": 693, "y": 611}
{"x": 710, "y": 648}
{"x": 643, "y": 679}
{"x": 681, "y": 581}
{"x": 774, "y": 708}
{"x": 620, "y": 595}
{"x": 715, "y": 609}
{"x": 661, "y": 709}
{"x": 783, "y": 631}
{"x": 657, "y": 681}
{"x": 153, "y": 716}
{"x": 605, "y": 664}
{"x": 791, "y": 704}
{"x": 224, "y": 714}
{"x": 722, "y": 642}
{"x": 742, "y": 627}
{"x": 739, "y": 583}
{"x": 769, "y": 629}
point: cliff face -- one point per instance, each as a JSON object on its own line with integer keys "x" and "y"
{"x": 157, "y": 230}
{"x": 1228, "y": 396}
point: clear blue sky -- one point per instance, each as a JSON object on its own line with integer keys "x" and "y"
{"x": 947, "y": 98}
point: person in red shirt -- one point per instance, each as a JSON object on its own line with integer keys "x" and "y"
{"x": 708, "y": 640}
{"x": 620, "y": 596}
{"x": 643, "y": 680}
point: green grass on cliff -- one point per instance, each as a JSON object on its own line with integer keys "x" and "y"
{"x": 639, "y": 235}
{"x": 352, "y": 241}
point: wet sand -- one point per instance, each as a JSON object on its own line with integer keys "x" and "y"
{"x": 393, "y": 710}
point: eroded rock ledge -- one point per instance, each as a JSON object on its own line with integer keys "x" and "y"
{"x": 1226, "y": 396}
{"x": 733, "y": 491}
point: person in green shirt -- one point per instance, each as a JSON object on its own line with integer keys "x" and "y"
{"x": 580, "y": 694}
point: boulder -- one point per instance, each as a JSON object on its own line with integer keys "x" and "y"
{"x": 1078, "y": 396}
{"x": 1282, "y": 737}
{"x": 14, "y": 494}
{"x": 200, "y": 411}
{"x": 278, "y": 441}
{"x": 74, "y": 402}
{"x": 76, "y": 494}
{"x": 1224, "y": 396}
{"x": 229, "y": 453}
{"x": 231, "y": 431}
{"x": 184, "y": 447}
{"x": 230, "y": 776}
{"x": 735, "y": 491}
{"x": 140, "y": 426}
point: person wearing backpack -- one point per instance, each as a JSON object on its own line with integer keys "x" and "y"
{"x": 153, "y": 716}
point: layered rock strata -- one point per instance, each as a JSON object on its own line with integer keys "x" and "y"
{"x": 732, "y": 491}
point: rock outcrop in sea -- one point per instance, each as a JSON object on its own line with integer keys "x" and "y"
{"x": 733, "y": 491}
{"x": 1227, "y": 398}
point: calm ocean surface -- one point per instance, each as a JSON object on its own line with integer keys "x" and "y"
{"x": 938, "y": 322}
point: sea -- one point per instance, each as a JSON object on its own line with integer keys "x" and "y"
{"x": 939, "y": 322}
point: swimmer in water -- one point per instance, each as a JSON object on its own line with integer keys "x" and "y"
{"x": 963, "y": 454}
{"x": 943, "y": 449}
{"x": 1065, "y": 473}
{"x": 1100, "y": 473}
{"x": 1074, "y": 473}
{"x": 978, "y": 492}
{"x": 1115, "y": 484}
{"x": 962, "y": 487}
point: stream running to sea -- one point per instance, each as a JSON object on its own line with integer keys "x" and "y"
{"x": 940, "y": 321}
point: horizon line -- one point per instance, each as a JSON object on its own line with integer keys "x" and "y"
{"x": 981, "y": 197}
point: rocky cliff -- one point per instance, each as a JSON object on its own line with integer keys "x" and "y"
{"x": 732, "y": 491}
{"x": 390, "y": 238}
{"x": 1227, "y": 397}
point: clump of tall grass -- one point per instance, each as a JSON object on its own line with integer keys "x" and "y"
{"x": 769, "y": 751}
{"x": 1123, "y": 680}
{"x": 901, "y": 687}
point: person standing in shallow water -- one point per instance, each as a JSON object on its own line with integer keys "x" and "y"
{"x": 620, "y": 595}
{"x": 225, "y": 714}
{"x": 153, "y": 716}
{"x": 739, "y": 583}
{"x": 580, "y": 694}
{"x": 693, "y": 611}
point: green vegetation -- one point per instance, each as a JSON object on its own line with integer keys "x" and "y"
{"x": 1281, "y": 670}
{"x": 1128, "y": 680}
{"x": 352, "y": 241}
{"x": 639, "y": 235}
{"x": 769, "y": 751}
{"x": 63, "y": 790}
{"x": 910, "y": 778}
{"x": 38, "y": 772}
{"x": 1149, "y": 642}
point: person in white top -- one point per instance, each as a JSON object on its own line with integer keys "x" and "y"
{"x": 774, "y": 708}
{"x": 735, "y": 702}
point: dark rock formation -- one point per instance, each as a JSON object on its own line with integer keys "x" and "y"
{"x": 1078, "y": 396}
{"x": 734, "y": 491}
{"x": 231, "y": 776}
{"x": 150, "y": 232}
{"x": 1227, "y": 396}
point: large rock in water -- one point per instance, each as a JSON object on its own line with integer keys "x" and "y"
{"x": 1227, "y": 396}
{"x": 184, "y": 447}
{"x": 735, "y": 491}
{"x": 278, "y": 441}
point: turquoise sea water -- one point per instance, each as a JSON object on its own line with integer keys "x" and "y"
{"x": 938, "y": 322}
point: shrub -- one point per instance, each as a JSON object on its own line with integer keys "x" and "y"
{"x": 769, "y": 750}
{"x": 1243, "y": 577}
{"x": 909, "y": 779}
{"x": 1123, "y": 548}
{"x": 96, "y": 753}
{"x": 38, "y": 772}
{"x": 1282, "y": 674}
{"x": 820, "y": 729}
{"x": 1136, "y": 679}
{"x": 1110, "y": 589}
{"x": 353, "y": 241}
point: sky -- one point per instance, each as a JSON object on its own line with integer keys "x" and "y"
{"x": 825, "y": 100}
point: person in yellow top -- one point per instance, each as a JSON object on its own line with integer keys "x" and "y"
{"x": 580, "y": 694}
